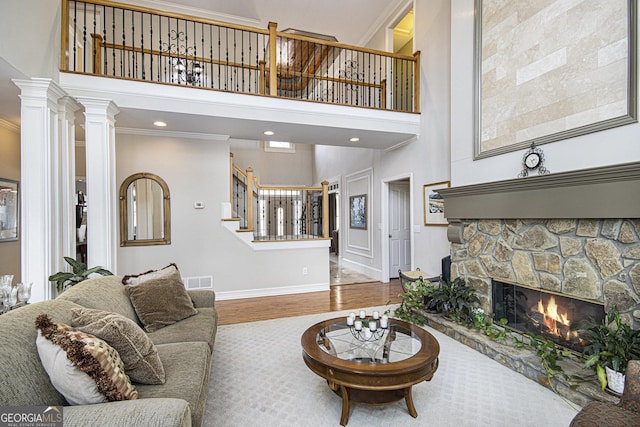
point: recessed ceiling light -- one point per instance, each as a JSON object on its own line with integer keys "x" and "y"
{"x": 159, "y": 123}
{"x": 269, "y": 132}
{"x": 354, "y": 139}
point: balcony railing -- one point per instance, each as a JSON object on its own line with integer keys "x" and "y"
{"x": 278, "y": 213}
{"x": 122, "y": 41}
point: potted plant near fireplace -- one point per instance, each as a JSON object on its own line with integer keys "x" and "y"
{"x": 611, "y": 344}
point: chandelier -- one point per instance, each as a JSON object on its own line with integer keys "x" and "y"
{"x": 184, "y": 74}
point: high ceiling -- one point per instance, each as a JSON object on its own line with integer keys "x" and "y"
{"x": 352, "y": 22}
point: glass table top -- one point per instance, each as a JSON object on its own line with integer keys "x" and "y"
{"x": 394, "y": 344}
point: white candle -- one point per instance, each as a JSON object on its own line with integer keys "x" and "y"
{"x": 376, "y": 315}
{"x": 352, "y": 314}
{"x": 358, "y": 325}
{"x": 362, "y": 314}
{"x": 372, "y": 325}
{"x": 384, "y": 322}
{"x": 350, "y": 320}
{"x": 368, "y": 334}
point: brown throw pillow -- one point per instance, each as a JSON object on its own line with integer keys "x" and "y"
{"x": 96, "y": 372}
{"x": 137, "y": 351}
{"x": 136, "y": 279}
{"x": 161, "y": 302}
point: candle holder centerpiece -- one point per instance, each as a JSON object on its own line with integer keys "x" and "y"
{"x": 368, "y": 328}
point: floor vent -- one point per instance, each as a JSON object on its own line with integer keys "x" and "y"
{"x": 198, "y": 282}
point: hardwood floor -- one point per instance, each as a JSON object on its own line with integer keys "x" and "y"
{"x": 339, "y": 297}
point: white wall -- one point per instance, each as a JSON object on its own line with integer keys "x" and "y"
{"x": 614, "y": 146}
{"x": 10, "y": 169}
{"x": 31, "y": 36}
{"x": 427, "y": 158}
{"x": 197, "y": 170}
{"x": 275, "y": 168}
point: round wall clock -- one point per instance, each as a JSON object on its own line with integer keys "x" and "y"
{"x": 533, "y": 159}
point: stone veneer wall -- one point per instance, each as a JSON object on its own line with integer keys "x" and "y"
{"x": 592, "y": 259}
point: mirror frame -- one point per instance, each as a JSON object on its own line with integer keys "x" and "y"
{"x": 124, "y": 241}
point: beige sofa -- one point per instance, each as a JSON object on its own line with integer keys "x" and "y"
{"x": 184, "y": 348}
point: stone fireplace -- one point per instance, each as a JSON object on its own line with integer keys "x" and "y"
{"x": 575, "y": 234}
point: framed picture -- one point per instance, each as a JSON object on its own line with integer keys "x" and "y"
{"x": 9, "y": 215}
{"x": 434, "y": 204}
{"x": 358, "y": 212}
{"x": 556, "y": 77}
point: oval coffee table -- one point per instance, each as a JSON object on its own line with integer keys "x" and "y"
{"x": 375, "y": 372}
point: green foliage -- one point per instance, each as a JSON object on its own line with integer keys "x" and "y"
{"x": 413, "y": 300}
{"x": 456, "y": 300}
{"x": 611, "y": 343}
{"x": 65, "y": 279}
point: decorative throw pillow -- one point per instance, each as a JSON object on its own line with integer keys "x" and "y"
{"x": 82, "y": 367}
{"x": 137, "y": 351}
{"x": 161, "y": 302}
{"x": 135, "y": 279}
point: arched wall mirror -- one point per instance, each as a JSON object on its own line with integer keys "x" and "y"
{"x": 145, "y": 211}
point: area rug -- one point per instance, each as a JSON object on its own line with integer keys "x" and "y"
{"x": 258, "y": 378}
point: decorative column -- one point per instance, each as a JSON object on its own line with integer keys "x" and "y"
{"x": 102, "y": 195}
{"x": 67, "y": 171}
{"x": 39, "y": 187}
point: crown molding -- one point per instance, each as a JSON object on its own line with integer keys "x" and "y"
{"x": 9, "y": 126}
{"x": 172, "y": 134}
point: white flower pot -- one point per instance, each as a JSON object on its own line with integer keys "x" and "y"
{"x": 615, "y": 380}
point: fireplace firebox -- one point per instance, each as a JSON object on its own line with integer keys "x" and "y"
{"x": 548, "y": 314}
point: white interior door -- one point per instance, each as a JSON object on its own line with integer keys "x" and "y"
{"x": 399, "y": 228}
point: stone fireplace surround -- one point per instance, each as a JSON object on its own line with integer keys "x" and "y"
{"x": 576, "y": 233}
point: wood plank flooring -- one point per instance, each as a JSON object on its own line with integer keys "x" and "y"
{"x": 339, "y": 297}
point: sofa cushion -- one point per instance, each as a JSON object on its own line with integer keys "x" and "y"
{"x": 201, "y": 327}
{"x": 137, "y": 351}
{"x": 136, "y": 279}
{"x": 70, "y": 357}
{"x": 603, "y": 414}
{"x": 102, "y": 293}
{"x": 161, "y": 302}
{"x": 187, "y": 367}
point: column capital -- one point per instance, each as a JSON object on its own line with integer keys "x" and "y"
{"x": 98, "y": 106}
{"x": 38, "y": 88}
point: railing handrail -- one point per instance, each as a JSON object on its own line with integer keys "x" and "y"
{"x": 268, "y": 71}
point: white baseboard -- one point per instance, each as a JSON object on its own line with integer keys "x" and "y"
{"x": 267, "y": 292}
{"x": 374, "y": 273}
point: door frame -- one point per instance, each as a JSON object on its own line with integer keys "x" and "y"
{"x": 384, "y": 236}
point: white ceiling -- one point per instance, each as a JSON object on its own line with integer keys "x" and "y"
{"x": 351, "y": 22}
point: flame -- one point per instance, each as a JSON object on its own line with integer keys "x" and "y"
{"x": 552, "y": 318}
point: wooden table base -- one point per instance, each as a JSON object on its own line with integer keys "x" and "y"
{"x": 371, "y": 397}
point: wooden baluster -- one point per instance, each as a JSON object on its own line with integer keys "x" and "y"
{"x": 273, "y": 77}
{"x": 96, "y": 59}
{"x": 416, "y": 82}
{"x": 325, "y": 209}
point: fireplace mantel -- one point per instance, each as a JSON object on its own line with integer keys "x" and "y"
{"x": 604, "y": 192}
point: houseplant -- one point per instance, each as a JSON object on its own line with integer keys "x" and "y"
{"x": 611, "y": 344}
{"x": 66, "y": 279}
{"x": 414, "y": 299}
{"x": 456, "y": 300}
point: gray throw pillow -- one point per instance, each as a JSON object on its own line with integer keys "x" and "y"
{"x": 161, "y": 302}
{"x": 137, "y": 351}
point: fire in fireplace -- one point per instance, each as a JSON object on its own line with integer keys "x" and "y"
{"x": 539, "y": 312}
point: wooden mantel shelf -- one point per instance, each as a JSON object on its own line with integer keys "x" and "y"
{"x": 604, "y": 192}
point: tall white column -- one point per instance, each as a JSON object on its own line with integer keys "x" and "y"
{"x": 102, "y": 195}
{"x": 67, "y": 174}
{"x": 39, "y": 192}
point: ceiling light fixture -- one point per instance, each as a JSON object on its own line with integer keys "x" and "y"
{"x": 159, "y": 123}
{"x": 354, "y": 139}
{"x": 269, "y": 132}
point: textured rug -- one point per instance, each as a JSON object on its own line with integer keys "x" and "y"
{"x": 258, "y": 378}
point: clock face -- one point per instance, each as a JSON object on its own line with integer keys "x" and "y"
{"x": 532, "y": 160}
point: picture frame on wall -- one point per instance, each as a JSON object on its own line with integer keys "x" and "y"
{"x": 358, "y": 212}
{"x": 9, "y": 210}
{"x": 434, "y": 204}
